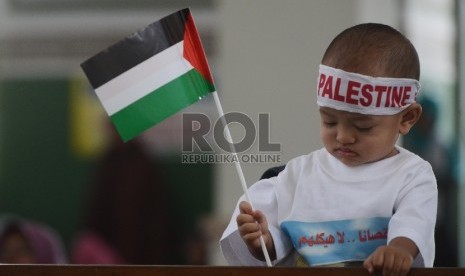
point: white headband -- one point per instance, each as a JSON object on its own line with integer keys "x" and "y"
{"x": 362, "y": 94}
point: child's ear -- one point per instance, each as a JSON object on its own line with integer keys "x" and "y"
{"x": 409, "y": 117}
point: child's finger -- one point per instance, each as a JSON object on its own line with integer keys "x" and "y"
{"x": 261, "y": 219}
{"x": 250, "y": 232}
{"x": 368, "y": 265}
{"x": 243, "y": 219}
{"x": 252, "y": 238}
{"x": 248, "y": 227}
{"x": 389, "y": 264}
{"x": 405, "y": 266}
{"x": 378, "y": 258}
{"x": 397, "y": 267}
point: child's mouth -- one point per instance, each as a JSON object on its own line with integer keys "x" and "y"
{"x": 345, "y": 152}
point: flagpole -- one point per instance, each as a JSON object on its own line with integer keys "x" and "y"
{"x": 239, "y": 169}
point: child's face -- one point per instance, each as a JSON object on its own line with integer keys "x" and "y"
{"x": 16, "y": 250}
{"x": 357, "y": 139}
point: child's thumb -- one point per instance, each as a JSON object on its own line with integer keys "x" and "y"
{"x": 245, "y": 208}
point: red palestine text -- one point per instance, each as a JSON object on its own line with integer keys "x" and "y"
{"x": 363, "y": 94}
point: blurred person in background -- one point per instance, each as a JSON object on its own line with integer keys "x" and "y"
{"x": 424, "y": 141}
{"x": 27, "y": 242}
{"x": 127, "y": 220}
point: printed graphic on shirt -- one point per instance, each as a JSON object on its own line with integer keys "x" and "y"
{"x": 328, "y": 242}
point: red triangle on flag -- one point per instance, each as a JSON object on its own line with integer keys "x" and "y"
{"x": 193, "y": 50}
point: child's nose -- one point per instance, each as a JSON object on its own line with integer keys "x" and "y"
{"x": 345, "y": 135}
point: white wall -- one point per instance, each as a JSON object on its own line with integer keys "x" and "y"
{"x": 268, "y": 62}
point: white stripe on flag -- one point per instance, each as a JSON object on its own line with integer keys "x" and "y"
{"x": 142, "y": 79}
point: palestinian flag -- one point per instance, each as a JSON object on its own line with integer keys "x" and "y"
{"x": 151, "y": 74}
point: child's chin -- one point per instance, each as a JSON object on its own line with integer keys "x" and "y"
{"x": 350, "y": 162}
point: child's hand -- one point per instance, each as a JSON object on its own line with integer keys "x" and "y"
{"x": 393, "y": 259}
{"x": 252, "y": 225}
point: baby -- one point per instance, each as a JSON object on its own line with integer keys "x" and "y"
{"x": 362, "y": 199}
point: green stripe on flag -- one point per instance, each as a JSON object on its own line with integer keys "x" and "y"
{"x": 161, "y": 104}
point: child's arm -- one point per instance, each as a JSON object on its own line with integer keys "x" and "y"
{"x": 396, "y": 258}
{"x": 252, "y": 225}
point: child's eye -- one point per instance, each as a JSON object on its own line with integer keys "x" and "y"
{"x": 364, "y": 128}
{"x": 329, "y": 124}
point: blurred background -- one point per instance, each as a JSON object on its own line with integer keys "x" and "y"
{"x": 63, "y": 167}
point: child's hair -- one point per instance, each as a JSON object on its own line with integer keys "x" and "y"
{"x": 373, "y": 49}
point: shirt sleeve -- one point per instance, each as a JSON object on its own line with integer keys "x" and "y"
{"x": 263, "y": 197}
{"x": 415, "y": 214}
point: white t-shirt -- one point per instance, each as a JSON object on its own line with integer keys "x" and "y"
{"x": 331, "y": 213}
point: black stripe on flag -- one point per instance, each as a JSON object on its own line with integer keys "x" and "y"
{"x": 135, "y": 48}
